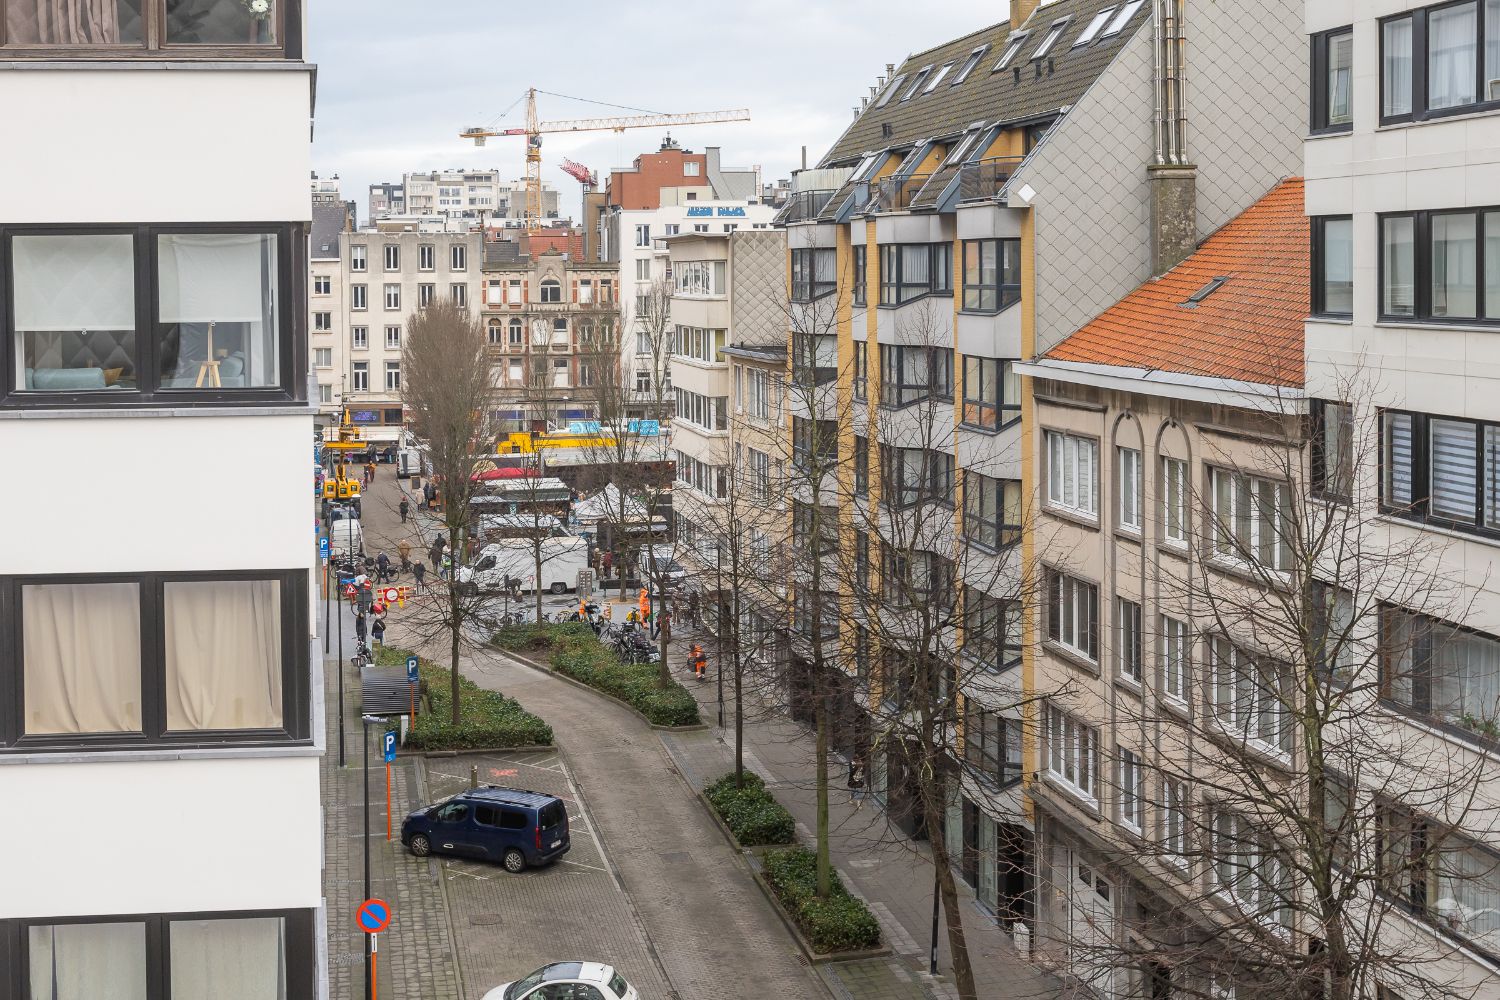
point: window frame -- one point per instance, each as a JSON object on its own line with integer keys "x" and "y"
{"x": 1074, "y": 751}
{"x": 995, "y": 652}
{"x": 295, "y": 668}
{"x": 1006, "y": 293}
{"x": 292, "y": 320}
{"x": 155, "y": 44}
{"x": 1319, "y": 100}
{"x": 999, "y": 534}
{"x": 988, "y": 756}
{"x": 1421, "y": 220}
{"x": 1130, "y": 641}
{"x": 1318, "y": 287}
{"x": 896, "y": 291}
{"x": 1422, "y": 656}
{"x": 1089, "y": 513}
{"x": 1132, "y": 490}
{"x": 1339, "y": 487}
{"x": 1486, "y": 523}
{"x": 1241, "y": 722}
{"x": 1184, "y": 506}
{"x": 1061, "y": 607}
{"x": 806, "y": 285}
{"x": 1419, "y": 98}
{"x": 1005, "y": 412}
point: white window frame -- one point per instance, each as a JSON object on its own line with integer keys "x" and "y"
{"x": 360, "y": 381}
{"x": 393, "y": 343}
{"x": 1128, "y": 488}
{"x": 1245, "y": 869}
{"x": 322, "y": 284}
{"x": 1175, "y": 802}
{"x": 1243, "y": 534}
{"x": 359, "y": 297}
{"x": 1130, "y": 641}
{"x": 1095, "y": 28}
{"x": 1074, "y": 605}
{"x": 358, "y": 258}
{"x": 1132, "y": 785}
{"x": 426, "y": 257}
{"x": 458, "y": 257}
{"x": 393, "y": 297}
{"x": 393, "y": 256}
{"x": 322, "y": 322}
{"x": 1072, "y": 754}
{"x": 1072, "y": 473}
{"x": 1050, "y": 39}
{"x": 1122, "y": 17}
{"x": 1174, "y": 501}
{"x": 322, "y": 357}
{"x": 1243, "y": 704}
{"x": 359, "y": 337}
{"x": 1175, "y": 652}
{"x": 393, "y": 376}
{"x": 460, "y": 294}
{"x": 642, "y": 235}
{"x": 1013, "y": 46}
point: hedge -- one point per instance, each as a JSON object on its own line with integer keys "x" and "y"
{"x": 486, "y": 718}
{"x": 578, "y": 654}
{"x": 839, "y": 923}
{"x": 752, "y": 814}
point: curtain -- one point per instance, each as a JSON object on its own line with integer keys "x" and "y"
{"x": 81, "y": 654}
{"x": 74, "y": 282}
{"x": 1465, "y": 675}
{"x": 1340, "y": 70}
{"x": 223, "y": 655}
{"x": 1397, "y": 246}
{"x": 64, "y": 22}
{"x": 1453, "y": 472}
{"x": 238, "y": 959}
{"x": 1454, "y": 265}
{"x": 1396, "y": 71}
{"x": 88, "y": 961}
{"x": 1398, "y": 443}
{"x": 1452, "y": 45}
{"x": 223, "y": 278}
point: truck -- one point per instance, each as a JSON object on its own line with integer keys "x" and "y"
{"x": 408, "y": 463}
{"x": 514, "y": 559}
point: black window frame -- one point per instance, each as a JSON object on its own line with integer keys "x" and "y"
{"x": 1420, "y": 474}
{"x": 1422, "y": 652}
{"x": 1005, "y": 412}
{"x": 861, "y": 261}
{"x": 1421, "y": 313}
{"x": 895, "y": 393}
{"x": 814, "y": 439}
{"x": 286, "y": 15}
{"x": 1419, "y": 69}
{"x": 296, "y": 684}
{"x": 993, "y": 536}
{"x": 291, "y": 321}
{"x": 299, "y": 936}
{"x": 861, "y": 363}
{"x": 985, "y": 756}
{"x": 805, "y": 284}
{"x": 861, "y": 465}
{"x": 991, "y": 651}
{"x": 1056, "y": 582}
{"x": 1006, "y": 293}
{"x": 1318, "y": 477}
{"x": 895, "y": 291}
{"x": 1317, "y": 288}
{"x": 1318, "y": 96}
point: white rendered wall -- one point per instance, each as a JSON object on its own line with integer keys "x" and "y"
{"x": 158, "y": 493}
{"x": 160, "y": 837}
{"x": 139, "y": 145}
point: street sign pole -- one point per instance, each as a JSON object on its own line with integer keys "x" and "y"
{"x": 388, "y": 746}
{"x": 373, "y": 916}
{"x": 323, "y": 551}
{"x": 340, "y": 627}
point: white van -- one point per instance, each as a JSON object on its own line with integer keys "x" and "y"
{"x": 408, "y": 463}
{"x": 658, "y": 565}
{"x": 346, "y": 537}
{"x": 562, "y": 560}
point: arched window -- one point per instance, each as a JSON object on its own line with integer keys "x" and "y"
{"x": 517, "y": 336}
{"x": 494, "y": 331}
{"x": 551, "y": 290}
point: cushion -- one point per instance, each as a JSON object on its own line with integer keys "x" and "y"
{"x": 65, "y": 379}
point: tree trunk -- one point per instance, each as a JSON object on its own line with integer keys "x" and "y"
{"x": 825, "y": 867}
{"x": 536, "y": 590}
{"x": 455, "y": 622}
{"x": 958, "y": 947}
{"x": 664, "y": 671}
{"x": 739, "y": 715}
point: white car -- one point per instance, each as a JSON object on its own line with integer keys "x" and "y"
{"x": 567, "y": 981}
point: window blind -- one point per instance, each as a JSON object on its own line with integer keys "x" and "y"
{"x": 1453, "y": 469}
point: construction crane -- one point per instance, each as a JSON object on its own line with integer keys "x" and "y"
{"x": 536, "y": 128}
{"x": 583, "y": 175}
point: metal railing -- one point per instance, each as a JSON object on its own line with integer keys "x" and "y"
{"x": 804, "y": 205}
{"x": 985, "y": 178}
{"x": 895, "y": 194}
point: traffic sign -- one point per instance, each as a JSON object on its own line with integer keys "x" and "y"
{"x": 373, "y": 915}
{"x": 411, "y": 670}
{"x": 323, "y": 546}
{"x": 391, "y": 594}
{"x": 390, "y": 746}
{"x": 350, "y": 591}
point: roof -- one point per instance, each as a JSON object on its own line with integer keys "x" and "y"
{"x": 1041, "y": 88}
{"x": 1247, "y": 329}
{"x": 327, "y": 224}
{"x": 513, "y": 796}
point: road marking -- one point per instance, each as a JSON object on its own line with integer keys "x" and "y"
{"x": 459, "y": 871}
{"x": 580, "y": 864}
{"x": 598, "y": 845}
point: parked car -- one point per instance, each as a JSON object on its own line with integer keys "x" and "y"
{"x": 658, "y": 566}
{"x": 514, "y": 826}
{"x": 572, "y": 980}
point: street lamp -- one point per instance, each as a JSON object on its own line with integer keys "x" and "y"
{"x": 365, "y": 721}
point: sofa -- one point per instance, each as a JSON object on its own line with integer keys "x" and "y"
{"x": 64, "y": 379}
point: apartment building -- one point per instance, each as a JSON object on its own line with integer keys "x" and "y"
{"x": 386, "y": 198}
{"x": 728, "y": 368}
{"x": 1402, "y": 151}
{"x": 466, "y": 194}
{"x": 993, "y": 194}
{"x": 552, "y": 323}
{"x": 360, "y": 304}
{"x": 162, "y": 685}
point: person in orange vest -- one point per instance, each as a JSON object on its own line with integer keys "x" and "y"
{"x": 700, "y": 662}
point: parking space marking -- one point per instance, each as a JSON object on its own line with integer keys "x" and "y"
{"x": 461, "y": 871}
{"x": 579, "y": 864}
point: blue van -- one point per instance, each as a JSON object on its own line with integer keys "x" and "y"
{"x": 514, "y": 826}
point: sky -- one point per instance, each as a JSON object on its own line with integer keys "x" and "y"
{"x": 395, "y": 86}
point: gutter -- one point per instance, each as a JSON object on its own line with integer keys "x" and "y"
{"x": 1176, "y": 385}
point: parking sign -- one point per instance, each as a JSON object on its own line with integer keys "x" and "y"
{"x": 411, "y": 670}
{"x": 390, "y": 746}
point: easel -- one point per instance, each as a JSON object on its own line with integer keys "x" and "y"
{"x": 210, "y": 367}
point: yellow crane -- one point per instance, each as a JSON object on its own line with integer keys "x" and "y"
{"x": 535, "y": 129}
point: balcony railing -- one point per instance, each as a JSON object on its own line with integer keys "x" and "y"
{"x": 803, "y": 205}
{"x": 114, "y": 29}
{"x": 895, "y": 194}
{"x": 977, "y": 181}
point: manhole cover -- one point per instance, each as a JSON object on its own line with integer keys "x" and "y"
{"x": 674, "y": 857}
{"x": 484, "y": 919}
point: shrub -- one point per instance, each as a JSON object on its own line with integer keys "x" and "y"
{"x": 839, "y": 923}
{"x": 535, "y": 638}
{"x": 752, "y": 814}
{"x": 486, "y": 718}
{"x": 576, "y": 653}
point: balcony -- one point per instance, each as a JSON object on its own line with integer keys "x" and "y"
{"x": 984, "y": 179}
{"x": 895, "y": 194}
{"x": 803, "y": 205}
{"x": 151, "y": 29}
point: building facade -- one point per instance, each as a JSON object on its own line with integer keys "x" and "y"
{"x": 464, "y": 194}
{"x": 144, "y": 674}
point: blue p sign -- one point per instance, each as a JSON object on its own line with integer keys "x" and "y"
{"x": 411, "y": 670}
{"x": 323, "y": 546}
{"x": 390, "y": 746}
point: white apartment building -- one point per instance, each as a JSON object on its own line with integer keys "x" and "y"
{"x": 162, "y": 688}
{"x": 468, "y": 194}
{"x": 1403, "y": 358}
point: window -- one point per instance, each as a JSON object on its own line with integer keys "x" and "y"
{"x": 357, "y": 260}
{"x": 759, "y": 470}
{"x": 814, "y": 440}
{"x": 708, "y": 412}
{"x": 937, "y": 78}
{"x": 322, "y": 322}
{"x": 1395, "y": 68}
{"x": 812, "y": 524}
{"x": 1012, "y": 49}
{"x": 992, "y": 745}
{"x": 992, "y": 275}
{"x": 1333, "y": 449}
{"x": 1050, "y": 39}
{"x": 1449, "y": 74}
{"x": 393, "y": 338}
{"x": 814, "y": 359}
{"x": 1442, "y": 671}
{"x": 762, "y": 394}
{"x": 1128, "y": 639}
{"x": 1132, "y": 789}
{"x": 322, "y": 284}
{"x": 425, "y": 293}
{"x": 513, "y": 294}
{"x": 167, "y": 657}
{"x": 698, "y": 227}
{"x": 359, "y": 337}
{"x": 359, "y": 297}
{"x": 992, "y": 510}
{"x": 1332, "y": 632}
{"x": 643, "y": 269}
{"x": 1442, "y": 469}
{"x": 392, "y": 297}
{"x": 551, "y": 290}
{"x": 322, "y": 357}
{"x": 1252, "y": 520}
{"x": 911, "y": 374}
{"x": 1333, "y": 266}
{"x": 1072, "y": 473}
{"x": 814, "y": 273}
{"x": 1440, "y": 875}
{"x": 1174, "y": 822}
{"x": 861, "y": 377}
{"x": 1437, "y": 265}
{"x": 701, "y": 345}
{"x": 361, "y": 382}
{"x": 393, "y": 376}
{"x": 458, "y": 257}
{"x": 1122, "y": 17}
{"x": 585, "y": 292}
{"x": 1174, "y": 500}
{"x": 1248, "y": 869}
{"x": 392, "y": 257}
{"x": 861, "y": 258}
{"x": 910, "y": 476}
{"x": 1249, "y": 695}
{"x": 1094, "y": 27}
{"x": 460, "y": 293}
{"x": 1072, "y": 753}
{"x": 1398, "y": 282}
{"x": 703, "y": 277}
{"x": 691, "y": 168}
{"x": 916, "y": 83}
{"x": 992, "y": 630}
{"x": 861, "y": 465}
{"x": 969, "y": 64}
{"x": 493, "y": 334}
{"x": 426, "y": 257}
{"x": 1174, "y": 659}
{"x": 643, "y": 236}
{"x": 325, "y": 392}
{"x": 1332, "y": 78}
{"x": 992, "y": 393}
{"x": 1128, "y": 476}
{"x": 515, "y": 334}
{"x": 909, "y": 271}
{"x": 1073, "y": 614}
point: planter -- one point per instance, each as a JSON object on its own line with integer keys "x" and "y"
{"x": 549, "y": 669}
{"x": 803, "y": 945}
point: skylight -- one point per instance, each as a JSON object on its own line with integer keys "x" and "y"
{"x": 1011, "y": 48}
{"x": 1127, "y": 11}
{"x": 916, "y": 84}
{"x": 1095, "y": 26}
{"x": 962, "y": 146}
{"x": 937, "y": 78}
{"x": 1053, "y": 34}
{"x": 970, "y": 63}
{"x": 890, "y": 91}
{"x": 1213, "y": 286}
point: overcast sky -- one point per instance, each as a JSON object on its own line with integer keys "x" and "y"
{"x": 398, "y": 79}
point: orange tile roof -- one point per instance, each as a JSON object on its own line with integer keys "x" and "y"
{"x": 1248, "y": 330}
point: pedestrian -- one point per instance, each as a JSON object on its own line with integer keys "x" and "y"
{"x": 419, "y": 573}
{"x": 429, "y": 493}
{"x": 446, "y": 568}
{"x": 377, "y": 633}
{"x": 383, "y": 568}
{"x": 403, "y": 549}
{"x": 369, "y": 472}
{"x": 435, "y": 553}
{"x": 404, "y": 508}
{"x": 857, "y": 780}
{"x": 700, "y": 663}
{"x": 360, "y": 626}
{"x": 366, "y": 597}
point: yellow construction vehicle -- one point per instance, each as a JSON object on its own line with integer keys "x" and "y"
{"x": 529, "y": 442}
{"x": 340, "y": 487}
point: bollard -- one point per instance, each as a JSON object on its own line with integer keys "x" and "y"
{"x": 473, "y": 775}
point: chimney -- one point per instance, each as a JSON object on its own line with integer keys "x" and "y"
{"x": 1172, "y": 177}
{"x": 1020, "y": 10}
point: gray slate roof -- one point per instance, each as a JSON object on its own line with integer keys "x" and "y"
{"x": 327, "y": 224}
{"x": 1043, "y": 87}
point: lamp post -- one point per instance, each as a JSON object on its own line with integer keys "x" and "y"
{"x": 340, "y": 627}
{"x": 719, "y": 625}
{"x": 365, "y": 721}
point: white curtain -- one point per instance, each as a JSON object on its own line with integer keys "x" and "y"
{"x": 1492, "y": 476}
{"x": 237, "y": 959}
{"x": 223, "y": 278}
{"x": 87, "y": 961}
{"x": 73, "y": 282}
{"x": 1466, "y": 675}
{"x": 1452, "y": 45}
{"x": 223, "y": 655}
{"x": 1454, "y": 273}
{"x": 1397, "y": 68}
{"x": 81, "y": 650}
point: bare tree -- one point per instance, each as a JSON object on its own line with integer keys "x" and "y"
{"x": 448, "y": 386}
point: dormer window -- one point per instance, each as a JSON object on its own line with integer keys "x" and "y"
{"x": 1012, "y": 49}
{"x": 1050, "y": 39}
{"x": 969, "y": 64}
{"x": 1094, "y": 27}
{"x": 916, "y": 84}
